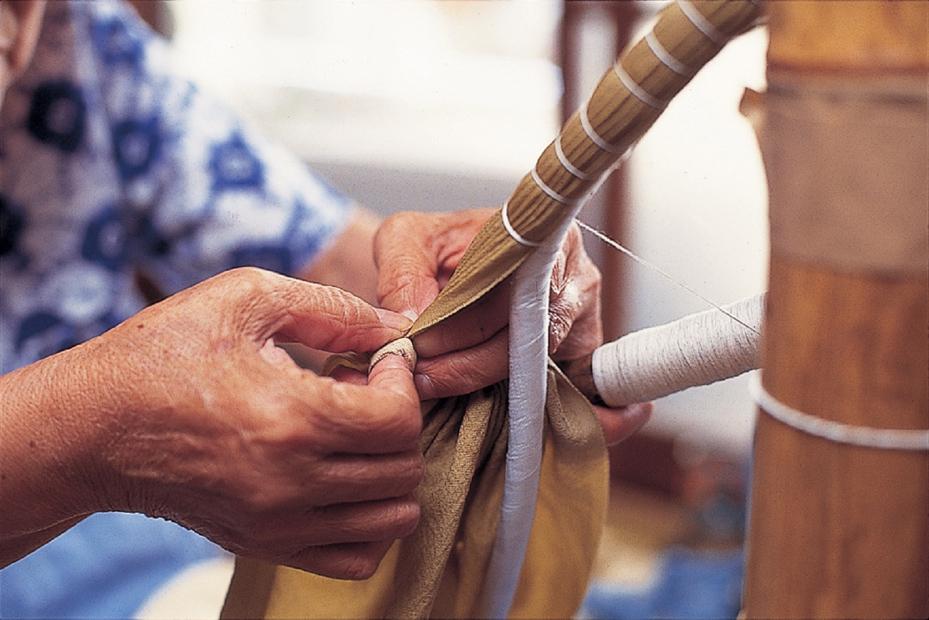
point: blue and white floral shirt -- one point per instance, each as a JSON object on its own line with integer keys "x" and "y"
{"x": 111, "y": 165}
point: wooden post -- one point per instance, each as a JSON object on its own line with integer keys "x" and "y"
{"x": 841, "y": 531}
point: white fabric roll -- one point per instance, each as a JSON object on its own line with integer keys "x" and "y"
{"x": 527, "y": 391}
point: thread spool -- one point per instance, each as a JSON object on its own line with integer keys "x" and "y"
{"x": 698, "y": 349}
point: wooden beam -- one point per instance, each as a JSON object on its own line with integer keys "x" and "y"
{"x": 836, "y": 530}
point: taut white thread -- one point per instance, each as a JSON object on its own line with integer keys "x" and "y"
{"x": 666, "y": 58}
{"x": 830, "y": 430}
{"x": 518, "y": 238}
{"x": 702, "y": 23}
{"x": 551, "y": 193}
{"x": 617, "y": 246}
{"x": 637, "y": 91}
{"x": 593, "y": 135}
{"x": 577, "y": 172}
{"x": 696, "y": 350}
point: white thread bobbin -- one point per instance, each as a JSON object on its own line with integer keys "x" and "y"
{"x": 636, "y": 89}
{"x": 577, "y": 172}
{"x": 596, "y": 138}
{"x": 701, "y": 23}
{"x": 696, "y": 350}
{"x": 666, "y": 58}
{"x": 830, "y": 430}
{"x": 518, "y": 238}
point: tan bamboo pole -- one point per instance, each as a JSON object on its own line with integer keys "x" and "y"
{"x": 840, "y": 531}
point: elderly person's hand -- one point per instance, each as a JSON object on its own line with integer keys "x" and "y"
{"x": 416, "y": 254}
{"x": 188, "y": 411}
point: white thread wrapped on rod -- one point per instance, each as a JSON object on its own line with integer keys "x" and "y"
{"x": 527, "y": 390}
{"x": 696, "y": 350}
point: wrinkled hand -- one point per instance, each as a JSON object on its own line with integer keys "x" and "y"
{"x": 416, "y": 254}
{"x": 220, "y": 431}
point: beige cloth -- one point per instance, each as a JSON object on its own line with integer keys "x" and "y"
{"x": 848, "y": 171}
{"x": 439, "y": 570}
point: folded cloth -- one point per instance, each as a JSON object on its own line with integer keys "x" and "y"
{"x": 439, "y": 570}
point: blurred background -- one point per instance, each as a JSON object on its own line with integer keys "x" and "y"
{"x": 426, "y": 105}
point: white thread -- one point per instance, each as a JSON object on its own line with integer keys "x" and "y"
{"x": 551, "y": 193}
{"x": 518, "y": 238}
{"x": 528, "y": 381}
{"x": 593, "y": 135}
{"x": 637, "y": 91}
{"x": 666, "y": 58}
{"x": 702, "y": 23}
{"x": 577, "y": 172}
{"x": 862, "y": 436}
{"x": 617, "y": 246}
{"x": 696, "y": 350}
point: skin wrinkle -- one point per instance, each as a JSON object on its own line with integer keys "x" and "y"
{"x": 575, "y": 325}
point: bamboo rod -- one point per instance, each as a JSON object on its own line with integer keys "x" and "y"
{"x": 839, "y": 531}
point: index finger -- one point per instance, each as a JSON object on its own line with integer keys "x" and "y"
{"x": 407, "y": 267}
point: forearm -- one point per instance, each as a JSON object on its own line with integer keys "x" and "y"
{"x": 51, "y": 429}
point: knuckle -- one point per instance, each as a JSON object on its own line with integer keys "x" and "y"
{"x": 260, "y": 504}
{"x": 394, "y": 223}
{"x": 250, "y": 277}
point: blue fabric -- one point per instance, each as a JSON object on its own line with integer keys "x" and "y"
{"x": 690, "y": 585}
{"x": 106, "y": 567}
{"x": 109, "y": 164}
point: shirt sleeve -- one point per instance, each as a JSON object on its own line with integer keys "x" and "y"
{"x": 205, "y": 190}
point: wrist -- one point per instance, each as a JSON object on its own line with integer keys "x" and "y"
{"x": 54, "y": 426}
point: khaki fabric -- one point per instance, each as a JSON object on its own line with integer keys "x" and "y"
{"x": 439, "y": 570}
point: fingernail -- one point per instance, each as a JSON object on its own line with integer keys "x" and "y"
{"x": 410, "y": 314}
{"x": 393, "y": 320}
